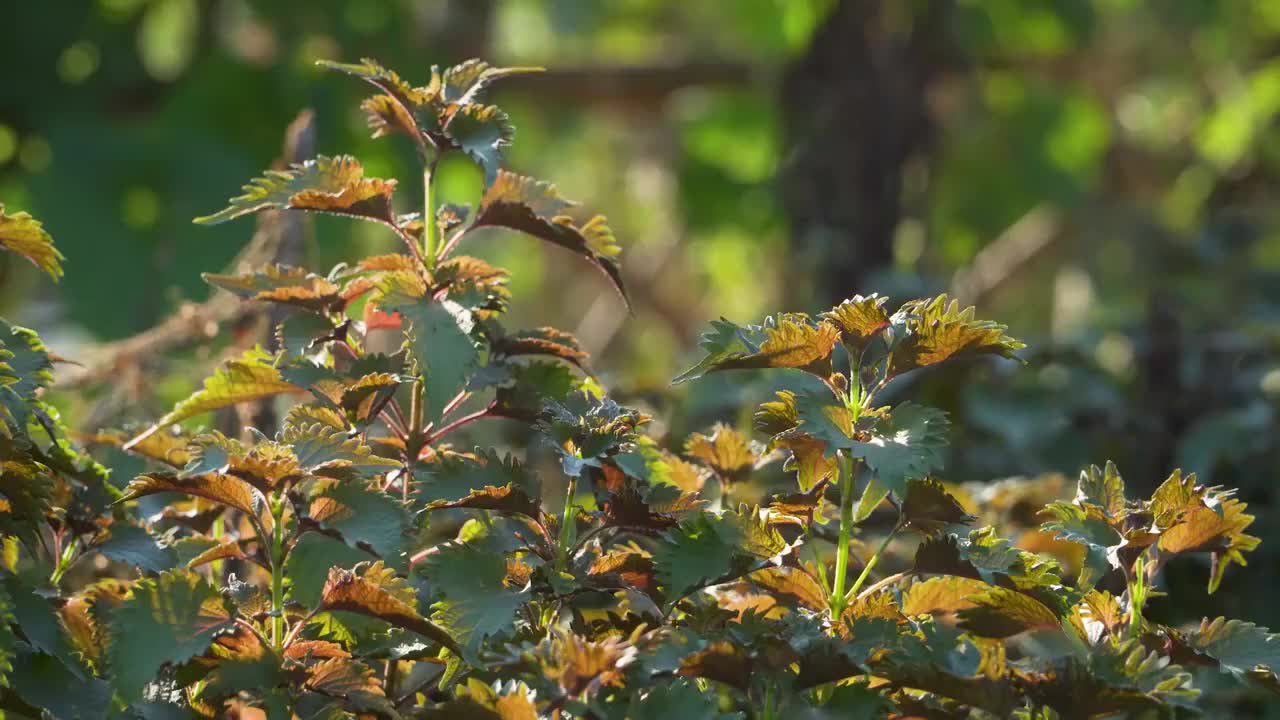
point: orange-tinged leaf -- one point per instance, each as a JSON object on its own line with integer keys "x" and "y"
{"x": 1219, "y": 531}
{"x": 536, "y": 208}
{"x": 282, "y": 284}
{"x": 941, "y": 595}
{"x": 789, "y": 340}
{"x": 252, "y": 376}
{"x": 860, "y": 320}
{"x": 22, "y": 234}
{"x": 326, "y": 184}
{"x": 542, "y": 341}
{"x": 725, "y": 451}
{"x": 232, "y": 492}
{"x": 936, "y": 329}
{"x": 1000, "y": 612}
{"x": 794, "y": 584}
{"x": 229, "y": 550}
{"x": 367, "y": 594}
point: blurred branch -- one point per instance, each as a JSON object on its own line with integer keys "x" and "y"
{"x": 1003, "y": 257}
{"x": 638, "y": 86}
{"x": 279, "y": 237}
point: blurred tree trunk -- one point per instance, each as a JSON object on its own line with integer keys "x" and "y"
{"x": 855, "y": 114}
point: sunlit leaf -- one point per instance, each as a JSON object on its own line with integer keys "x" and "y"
{"x": 364, "y": 591}
{"x": 909, "y": 445}
{"x": 936, "y": 329}
{"x": 135, "y": 546}
{"x": 22, "y": 234}
{"x": 326, "y": 184}
{"x": 252, "y": 376}
{"x": 1219, "y": 531}
{"x": 789, "y": 340}
{"x": 1240, "y": 648}
{"x": 230, "y": 491}
{"x": 1104, "y": 488}
{"x": 727, "y": 452}
{"x": 860, "y": 320}
{"x": 281, "y": 284}
{"x": 536, "y": 208}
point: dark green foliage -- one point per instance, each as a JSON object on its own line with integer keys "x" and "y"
{"x": 303, "y": 573}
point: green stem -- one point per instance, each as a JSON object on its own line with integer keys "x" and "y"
{"x": 65, "y": 561}
{"x": 845, "y": 464}
{"x": 871, "y": 563}
{"x": 1137, "y": 595}
{"x": 277, "y": 571}
{"x": 428, "y": 216}
{"x": 568, "y": 524}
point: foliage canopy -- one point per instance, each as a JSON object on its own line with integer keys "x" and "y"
{"x": 292, "y": 574}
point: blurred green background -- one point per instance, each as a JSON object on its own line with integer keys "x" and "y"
{"x": 1099, "y": 174}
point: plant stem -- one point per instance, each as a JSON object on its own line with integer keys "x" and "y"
{"x": 277, "y": 571}
{"x": 1137, "y": 595}
{"x": 845, "y": 464}
{"x": 871, "y": 563}
{"x": 428, "y": 216}
{"x": 568, "y": 524}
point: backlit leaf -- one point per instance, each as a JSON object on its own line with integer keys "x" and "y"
{"x": 789, "y": 340}
{"x": 542, "y": 341}
{"x": 364, "y": 591}
{"x": 934, "y": 330}
{"x": 725, "y": 451}
{"x": 928, "y": 506}
{"x": 252, "y": 376}
{"x": 281, "y": 284}
{"x": 22, "y": 234}
{"x": 1104, "y": 488}
{"x": 536, "y": 208}
{"x": 1001, "y": 612}
{"x": 440, "y": 340}
{"x": 860, "y": 320}
{"x": 1219, "y": 531}
{"x": 332, "y": 185}
{"x": 232, "y": 492}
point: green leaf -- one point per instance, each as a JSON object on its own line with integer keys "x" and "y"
{"x": 935, "y": 330}
{"x": 1104, "y": 488}
{"x": 584, "y": 430}
{"x": 476, "y": 601}
{"x": 42, "y": 627}
{"x": 24, "y": 235}
{"x": 536, "y": 208}
{"x": 367, "y": 518}
{"x": 709, "y": 549}
{"x": 252, "y": 376}
{"x": 1087, "y": 526}
{"x": 46, "y": 683}
{"x": 332, "y": 185}
{"x": 682, "y": 698}
{"x": 483, "y": 132}
{"x": 440, "y": 340}
{"x": 310, "y": 559}
{"x": 1241, "y": 648}
{"x": 789, "y": 340}
{"x": 905, "y": 447}
{"x": 166, "y": 620}
{"x": 490, "y": 482}
{"x": 846, "y": 702}
{"x": 135, "y": 546}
